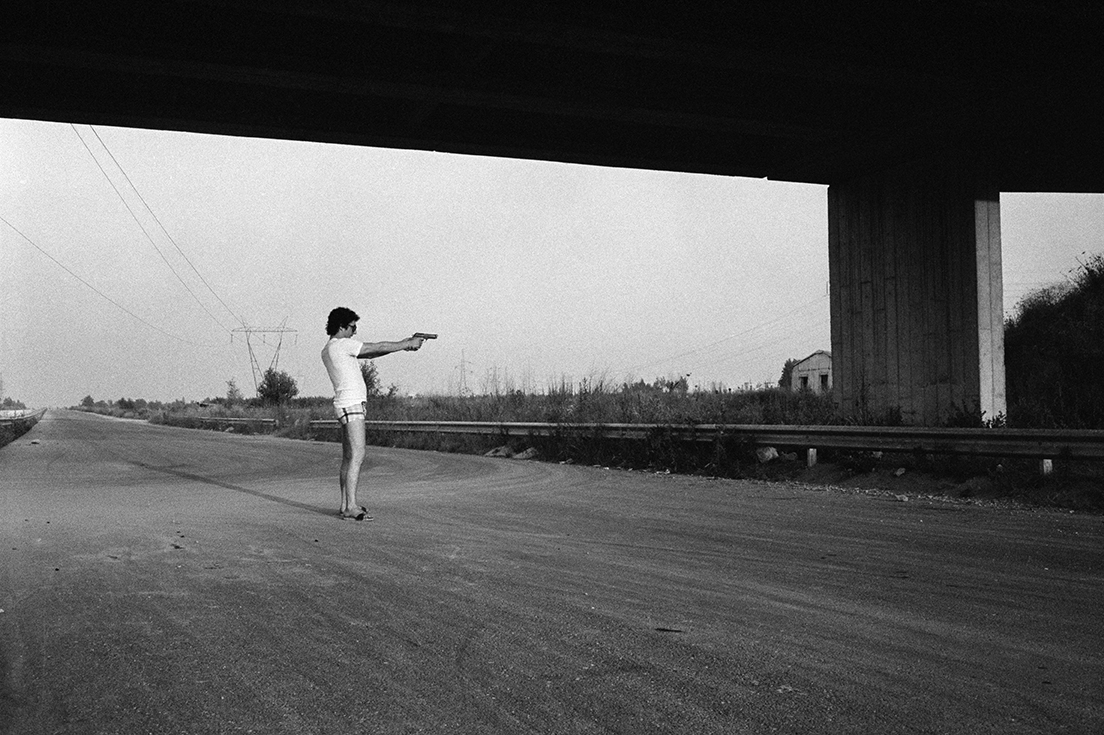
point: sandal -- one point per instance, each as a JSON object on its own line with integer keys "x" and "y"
{"x": 358, "y": 515}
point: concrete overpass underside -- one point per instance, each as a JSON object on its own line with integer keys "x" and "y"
{"x": 916, "y": 115}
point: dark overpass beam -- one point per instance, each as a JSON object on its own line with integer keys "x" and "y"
{"x": 917, "y": 313}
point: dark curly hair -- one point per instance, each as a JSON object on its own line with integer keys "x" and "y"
{"x": 338, "y": 318}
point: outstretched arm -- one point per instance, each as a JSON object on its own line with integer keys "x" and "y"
{"x": 379, "y": 349}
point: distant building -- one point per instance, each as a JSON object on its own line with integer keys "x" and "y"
{"x": 813, "y": 373}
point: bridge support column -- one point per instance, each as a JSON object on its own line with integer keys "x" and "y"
{"x": 916, "y": 295}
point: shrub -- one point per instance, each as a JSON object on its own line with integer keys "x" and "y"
{"x": 276, "y": 388}
{"x": 234, "y": 395}
{"x": 1053, "y": 345}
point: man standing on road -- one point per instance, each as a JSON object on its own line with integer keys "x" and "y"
{"x": 340, "y": 355}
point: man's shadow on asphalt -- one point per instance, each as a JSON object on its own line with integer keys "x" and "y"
{"x": 237, "y": 488}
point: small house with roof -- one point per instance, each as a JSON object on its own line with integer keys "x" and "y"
{"x": 814, "y": 373}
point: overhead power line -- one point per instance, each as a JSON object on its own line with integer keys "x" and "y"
{"x": 167, "y": 235}
{"x": 145, "y": 232}
{"x": 772, "y": 341}
{"x": 730, "y": 337}
{"x": 100, "y": 293}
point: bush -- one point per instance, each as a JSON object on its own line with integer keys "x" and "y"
{"x": 276, "y": 388}
{"x": 1053, "y": 346}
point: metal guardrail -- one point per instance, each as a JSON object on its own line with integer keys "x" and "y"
{"x": 1022, "y": 443}
{"x": 18, "y": 416}
{"x": 237, "y": 421}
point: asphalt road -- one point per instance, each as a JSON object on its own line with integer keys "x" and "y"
{"x": 171, "y": 581}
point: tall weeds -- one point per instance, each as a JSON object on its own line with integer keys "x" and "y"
{"x": 1054, "y": 347}
{"x": 590, "y": 401}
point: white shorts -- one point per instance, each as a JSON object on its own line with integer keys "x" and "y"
{"x": 357, "y": 412}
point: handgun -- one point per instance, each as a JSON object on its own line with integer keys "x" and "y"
{"x": 424, "y": 335}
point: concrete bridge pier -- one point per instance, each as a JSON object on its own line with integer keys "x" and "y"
{"x": 916, "y": 294}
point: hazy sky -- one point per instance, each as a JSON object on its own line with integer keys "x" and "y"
{"x": 531, "y": 272}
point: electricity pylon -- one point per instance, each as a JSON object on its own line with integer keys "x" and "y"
{"x": 279, "y": 333}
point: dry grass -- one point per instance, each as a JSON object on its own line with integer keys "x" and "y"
{"x": 1078, "y": 487}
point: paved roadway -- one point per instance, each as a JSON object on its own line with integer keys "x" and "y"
{"x": 171, "y": 581}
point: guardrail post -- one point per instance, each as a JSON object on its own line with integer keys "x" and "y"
{"x": 810, "y": 457}
{"x": 1046, "y": 467}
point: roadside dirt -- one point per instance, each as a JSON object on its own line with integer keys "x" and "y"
{"x": 971, "y": 481}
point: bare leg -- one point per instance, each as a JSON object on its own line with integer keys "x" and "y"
{"x": 352, "y": 456}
